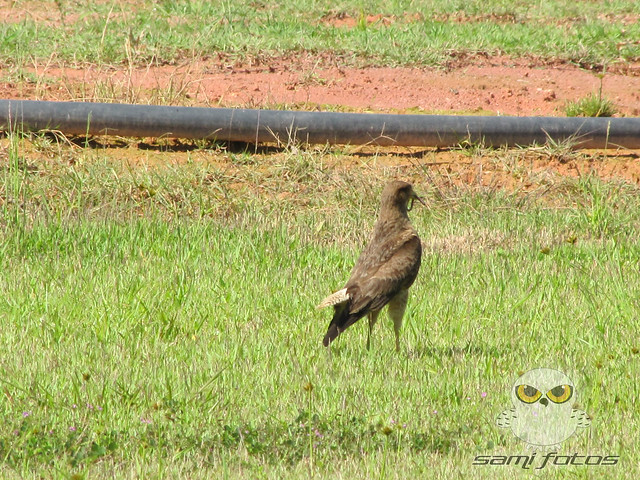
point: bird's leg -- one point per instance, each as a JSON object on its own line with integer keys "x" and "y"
{"x": 373, "y": 318}
{"x": 397, "y": 306}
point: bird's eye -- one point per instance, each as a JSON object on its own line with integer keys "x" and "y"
{"x": 560, "y": 394}
{"x": 527, "y": 393}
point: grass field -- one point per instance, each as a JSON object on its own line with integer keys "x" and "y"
{"x": 391, "y": 33}
{"x": 159, "y": 321}
{"x": 158, "y": 300}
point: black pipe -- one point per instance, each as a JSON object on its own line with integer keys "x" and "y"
{"x": 260, "y": 126}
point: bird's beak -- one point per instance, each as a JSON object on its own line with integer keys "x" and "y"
{"x": 415, "y": 197}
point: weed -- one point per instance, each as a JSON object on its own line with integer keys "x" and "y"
{"x": 593, "y": 105}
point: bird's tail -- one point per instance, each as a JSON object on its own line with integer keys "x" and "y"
{"x": 340, "y": 311}
{"x": 332, "y": 334}
{"x": 335, "y": 298}
{"x": 339, "y": 300}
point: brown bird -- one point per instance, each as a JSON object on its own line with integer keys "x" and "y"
{"x": 385, "y": 270}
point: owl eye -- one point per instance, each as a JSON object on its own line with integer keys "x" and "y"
{"x": 527, "y": 393}
{"x": 560, "y": 394}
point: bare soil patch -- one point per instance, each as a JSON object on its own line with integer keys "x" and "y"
{"x": 491, "y": 85}
{"x": 480, "y": 85}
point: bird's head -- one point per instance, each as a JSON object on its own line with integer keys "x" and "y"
{"x": 399, "y": 195}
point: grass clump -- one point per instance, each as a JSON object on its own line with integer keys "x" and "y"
{"x": 593, "y": 105}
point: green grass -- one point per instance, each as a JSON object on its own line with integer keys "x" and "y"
{"x": 159, "y": 321}
{"x": 415, "y": 34}
{"x": 592, "y": 105}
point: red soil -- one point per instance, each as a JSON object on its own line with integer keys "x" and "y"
{"x": 495, "y": 85}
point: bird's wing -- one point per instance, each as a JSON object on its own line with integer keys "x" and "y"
{"x": 369, "y": 261}
{"x": 374, "y": 283}
{"x": 378, "y": 252}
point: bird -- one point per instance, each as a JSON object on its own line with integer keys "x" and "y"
{"x": 385, "y": 269}
{"x": 542, "y": 414}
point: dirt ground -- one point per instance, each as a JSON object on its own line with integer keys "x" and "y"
{"x": 479, "y": 84}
